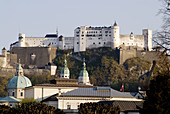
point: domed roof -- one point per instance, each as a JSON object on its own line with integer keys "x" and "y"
{"x": 84, "y": 72}
{"x": 65, "y": 69}
{"x": 19, "y": 82}
{"x": 84, "y": 76}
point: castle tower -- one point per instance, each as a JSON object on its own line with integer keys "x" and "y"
{"x": 4, "y": 52}
{"x": 147, "y": 39}
{"x": 18, "y": 83}
{"x": 115, "y": 35}
{"x": 80, "y": 39}
{"x": 21, "y": 40}
{"x": 84, "y": 76}
{"x": 65, "y": 73}
{"x": 61, "y": 42}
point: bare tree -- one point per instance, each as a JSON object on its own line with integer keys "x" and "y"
{"x": 162, "y": 37}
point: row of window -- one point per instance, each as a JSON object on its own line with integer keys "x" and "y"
{"x": 69, "y": 107}
{"x": 13, "y": 94}
{"x": 93, "y": 43}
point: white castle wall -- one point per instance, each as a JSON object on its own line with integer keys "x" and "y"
{"x": 90, "y": 37}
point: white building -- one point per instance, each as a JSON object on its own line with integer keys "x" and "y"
{"x": 59, "y": 85}
{"x": 88, "y": 38}
{"x": 70, "y": 101}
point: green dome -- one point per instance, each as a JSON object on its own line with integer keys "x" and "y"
{"x": 19, "y": 82}
{"x": 84, "y": 72}
{"x": 65, "y": 69}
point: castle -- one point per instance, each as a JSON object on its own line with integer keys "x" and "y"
{"x": 88, "y": 38}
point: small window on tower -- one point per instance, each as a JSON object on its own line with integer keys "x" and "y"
{"x": 21, "y": 93}
{"x": 13, "y": 93}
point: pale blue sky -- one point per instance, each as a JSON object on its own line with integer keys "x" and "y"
{"x": 38, "y": 17}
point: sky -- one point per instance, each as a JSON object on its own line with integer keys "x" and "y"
{"x": 39, "y": 17}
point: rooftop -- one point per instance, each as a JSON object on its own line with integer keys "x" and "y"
{"x": 96, "y": 92}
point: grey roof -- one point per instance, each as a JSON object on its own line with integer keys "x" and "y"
{"x": 96, "y": 92}
{"x": 126, "y": 105}
{"x": 9, "y": 99}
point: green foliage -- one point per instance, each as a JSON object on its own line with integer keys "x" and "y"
{"x": 4, "y": 109}
{"x": 103, "y": 68}
{"x": 28, "y": 101}
{"x": 32, "y": 107}
{"x": 158, "y": 94}
{"x": 98, "y": 108}
{"x": 3, "y": 86}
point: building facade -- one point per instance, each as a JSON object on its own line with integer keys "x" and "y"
{"x": 88, "y": 38}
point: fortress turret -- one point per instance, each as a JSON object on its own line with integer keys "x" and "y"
{"x": 147, "y": 39}
{"x": 115, "y": 35}
{"x": 21, "y": 40}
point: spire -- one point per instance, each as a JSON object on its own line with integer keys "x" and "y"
{"x": 57, "y": 31}
{"x": 19, "y": 69}
{"x": 115, "y": 24}
{"x": 64, "y": 73}
{"x": 84, "y": 64}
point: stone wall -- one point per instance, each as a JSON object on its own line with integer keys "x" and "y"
{"x": 10, "y": 72}
{"x": 125, "y": 54}
{"x": 34, "y": 56}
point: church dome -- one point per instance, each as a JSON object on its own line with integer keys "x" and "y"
{"x": 84, "y": 76}
{"x": 19, "y": 81}
{"x": 64, "y": 72}
{"x": 65, "y": 69}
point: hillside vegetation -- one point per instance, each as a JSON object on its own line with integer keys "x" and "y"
{"x": 103, "y": 68}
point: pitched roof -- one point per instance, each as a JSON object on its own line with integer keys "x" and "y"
{"x": 9, "y": 99}
{"x": 96, "y": 92}
{"x": 126, "y": 105}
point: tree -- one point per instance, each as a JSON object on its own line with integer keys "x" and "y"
{"x": 30, "y": 106}
{"x": 98, "y": 108}
{"x": 158, "y": 95}
{"x": 162, "y": 37}
{"x": 4, "y": 109}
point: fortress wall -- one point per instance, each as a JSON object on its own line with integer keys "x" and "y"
{"x": 10, "y": 72}
{"x": 148, "y": 55}
{"x": 36, "y": 56}
{"x": 126, "y": 54}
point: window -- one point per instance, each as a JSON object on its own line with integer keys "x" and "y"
{"x": 104, "y": 42}
{"x": 13, "y": 93}
{"x": 93, "y": 42}
{"x": 99, "y": 42}
{"x": 68, "y": 106}
{"x": 21, "y": 93}
{"x": 77, "y": 42}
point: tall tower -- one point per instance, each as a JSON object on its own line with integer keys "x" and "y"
{"x": 21, "y": 40}
{"x": 115, "y": 35}
{"x": 65, "y": 73}
{"x": 80, "y": 39}
{"x": 147, "y": 39}
{"x": 84, "y": 76}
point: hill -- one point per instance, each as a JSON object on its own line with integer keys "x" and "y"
{"x": 103, "y": 68}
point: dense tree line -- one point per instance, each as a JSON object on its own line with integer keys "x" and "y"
{"x": 98, "y": 108}
{"x": 29, "y": 106}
